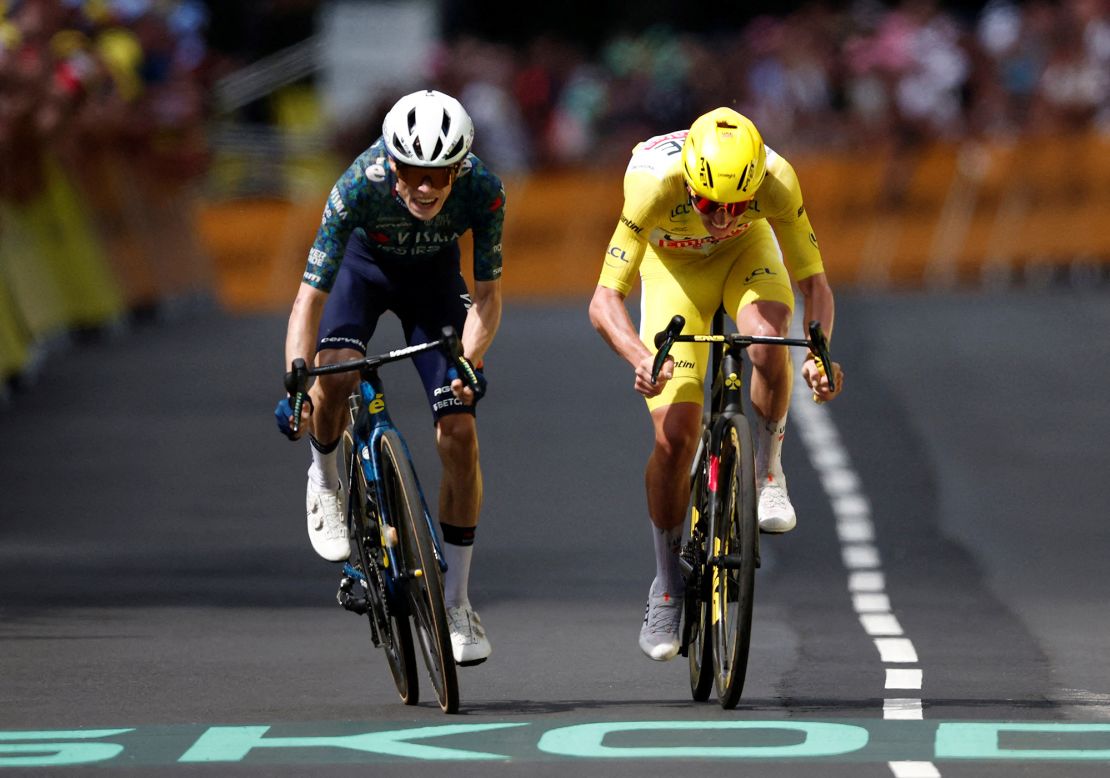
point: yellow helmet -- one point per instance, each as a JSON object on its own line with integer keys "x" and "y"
{"x": 724, "y": 158}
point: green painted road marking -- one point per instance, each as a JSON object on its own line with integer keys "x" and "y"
{"x": 818, "y": 739}
{"x": 56, "y": 753}
{"x": 853, "y": 741}
{"x": 983, "y": 741}
{"x": 232, "y": 744}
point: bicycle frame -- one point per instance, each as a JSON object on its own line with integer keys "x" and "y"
{"x": 371, "y": 421}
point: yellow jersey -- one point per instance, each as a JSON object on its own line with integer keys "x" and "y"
{"x": 657, "y": 213}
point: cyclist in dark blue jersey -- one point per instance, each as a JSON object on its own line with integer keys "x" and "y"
{"x": 389, "y": 241}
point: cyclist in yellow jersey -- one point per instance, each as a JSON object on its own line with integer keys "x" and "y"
{"x": 711, "y": 217}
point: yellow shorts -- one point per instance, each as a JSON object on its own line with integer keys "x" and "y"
{"x": 741, "y": 271}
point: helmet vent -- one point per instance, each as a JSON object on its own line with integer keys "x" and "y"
{"x": 411, "y": 118}
{"x": 743, "y": 176}
{"x": 708, "y": 174}
{"x": 723, "y": 125}
{"x": 438, "y": 148}
{"x": 446, "y": 125}
{"x": 456, "y": 148}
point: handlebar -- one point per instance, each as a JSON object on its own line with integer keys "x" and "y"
{"x": 296, "y": 380}
{"x": 817, "y": 343}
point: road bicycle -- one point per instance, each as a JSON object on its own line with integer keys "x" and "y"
{"x": 721, "y": 554}
{"x": 395, "y": 572}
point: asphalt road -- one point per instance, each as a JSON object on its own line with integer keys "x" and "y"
{"x": 161, "y": 609}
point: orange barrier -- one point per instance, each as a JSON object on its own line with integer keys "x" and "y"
{"x": 941, "y": 214}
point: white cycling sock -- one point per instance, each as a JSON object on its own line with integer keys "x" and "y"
{"x": 457, "y": 578}
{"x": 668, "y": 575}
{"x": 769, "y": 434}
{"x": 324, "y": 471}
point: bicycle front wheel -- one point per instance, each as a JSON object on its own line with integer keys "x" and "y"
{"x": 389, "y": 616}
{"x": 733, "y": 554}
{"x": 425, "y": 583}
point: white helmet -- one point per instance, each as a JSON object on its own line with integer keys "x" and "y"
{"x": 428, "y": 129}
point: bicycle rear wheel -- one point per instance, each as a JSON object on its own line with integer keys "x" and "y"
{"x": 425, "y": 583}
{"x": 698, "y": 618}
{"x": 389, "y": 616}
{"x": 733, "y": 549}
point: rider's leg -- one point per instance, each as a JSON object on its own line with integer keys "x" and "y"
{"x": 350, "y": 315}
{"x": 329, "y": 416}
{"x": 758, "y": 291}
{"x": 771, "y": 381}
{"x": 460, "y": 500}
{"x": 667, "y": 479}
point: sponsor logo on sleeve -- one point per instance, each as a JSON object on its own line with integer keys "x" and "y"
{"x": 375, "y": 171}
{"x": 636, "y": 228}
{"x": 337, "y": 203}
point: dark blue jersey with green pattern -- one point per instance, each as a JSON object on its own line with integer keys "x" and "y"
{"x": 365, "y": 199}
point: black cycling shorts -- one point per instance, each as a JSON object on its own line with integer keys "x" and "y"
{"x": 426, "y": 294}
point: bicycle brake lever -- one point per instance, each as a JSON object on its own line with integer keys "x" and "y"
{"x": 296, "y": 381}
{"x": 451, "y": 343}
{"x": 819, "y": 344}
{"x": 663, "y": 341}
{"x": 454, "y": 352}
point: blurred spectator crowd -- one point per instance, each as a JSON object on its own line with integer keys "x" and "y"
{"x": 80, "y": 79}
{"x": 825, "y": 76}
{"x": 82, "y": 76}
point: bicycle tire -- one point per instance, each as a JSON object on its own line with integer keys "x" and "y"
{"x": 389, "y": 618}
{"x": 429, "y": 616}
{"x": 699, "y": 650}
{"x": 733, "y": 543}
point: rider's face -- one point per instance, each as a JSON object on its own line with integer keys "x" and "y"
{"x": 423, "y": 189}
{"x": 719, "y": 220}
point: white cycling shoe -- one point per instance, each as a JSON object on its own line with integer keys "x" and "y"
{"x": 469, "y": 643}
{"x": 776, "y": 514}
{"x": 327, "y": 526}
{"x": 660, "y": 637}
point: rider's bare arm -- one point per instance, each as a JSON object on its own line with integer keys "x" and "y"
{"x": 610, "y": 318}
{"x": 482, "y": 320}
{"x": 820, "y": 306}
{"x": 304, "y": 321}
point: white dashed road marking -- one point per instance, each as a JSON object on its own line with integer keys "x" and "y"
{"x": 860, "y": 554}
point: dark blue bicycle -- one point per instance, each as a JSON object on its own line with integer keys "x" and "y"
{"x": 395, "y": 573}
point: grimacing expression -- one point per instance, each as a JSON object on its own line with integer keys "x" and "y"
{"x": 424, "y": 190}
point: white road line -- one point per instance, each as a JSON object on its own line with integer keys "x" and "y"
{"x": 866, "y": 581}
{"x": 902, "y": 708}
{"x": 914, "y": 770}
{"x": 855, "y": 531}
{"x": 896, "y": 650}
{"x": 871, "y": 602}
{"x": 860, "y": 554}
{"x": 903, "y": 678}
{"x": 876, "y": 624}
